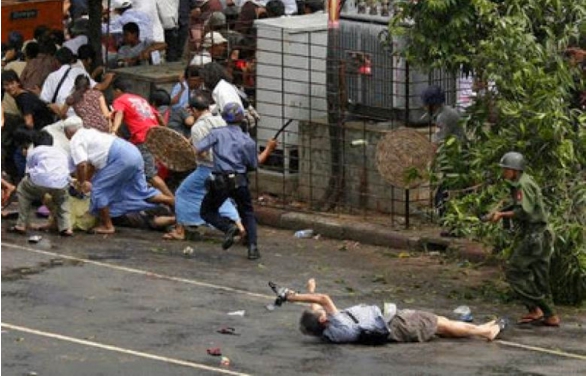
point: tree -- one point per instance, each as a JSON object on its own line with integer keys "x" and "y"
{"x": 95, "y": 28}
{"x": 336, "y": 108}
{"x": 517, "y": 46}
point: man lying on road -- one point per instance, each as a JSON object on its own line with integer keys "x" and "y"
{"x": 366, "y": 324}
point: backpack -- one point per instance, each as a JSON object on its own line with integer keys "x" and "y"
{"x": 371, "y": 337}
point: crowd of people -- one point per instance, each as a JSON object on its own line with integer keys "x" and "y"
{"x": 74, "y": 140}
{"x": 75, "y": 134}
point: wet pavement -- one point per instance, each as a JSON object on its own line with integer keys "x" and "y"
{"x": 132, "y": 304}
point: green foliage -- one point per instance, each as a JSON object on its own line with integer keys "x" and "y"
{"x": 518, "y": 46}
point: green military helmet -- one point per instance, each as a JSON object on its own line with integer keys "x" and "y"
{"x": 513, "y": 161}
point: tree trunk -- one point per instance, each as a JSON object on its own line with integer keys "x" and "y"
{"x": 335, "y": 93}
{"x": 95, "y": 29}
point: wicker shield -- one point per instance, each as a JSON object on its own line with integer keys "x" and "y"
{"x": 402, "y": 157}
{"x": 171, "y": 148}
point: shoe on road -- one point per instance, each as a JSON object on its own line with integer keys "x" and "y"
{"x": 253, "y": 253}
{"x": 229, "y": 238}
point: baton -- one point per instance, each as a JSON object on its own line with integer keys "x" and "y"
{"x": 283, "y": 128}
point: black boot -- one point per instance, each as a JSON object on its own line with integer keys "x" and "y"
{"x": 253, "y": 253}
{"x": 229, "y": 238}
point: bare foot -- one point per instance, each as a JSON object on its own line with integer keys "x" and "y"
{"x": 45, "y": 227}
{"x": 103, "y": 230}
{"x": 492, "y": 330}
{"x": 7, "y": 194}
{"x": 174, "y": 235}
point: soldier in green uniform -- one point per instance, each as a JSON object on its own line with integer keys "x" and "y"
{"x": 528, "y": 266}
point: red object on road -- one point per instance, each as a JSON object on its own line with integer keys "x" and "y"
{"x": 215, "y": 351}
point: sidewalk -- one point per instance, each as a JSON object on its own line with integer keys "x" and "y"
{"x": 359, "y": 230}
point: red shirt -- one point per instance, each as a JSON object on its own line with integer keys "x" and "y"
{"x": 139, "y": 116}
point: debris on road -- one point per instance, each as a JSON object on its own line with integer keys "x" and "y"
{"x": 188, "y": 251}
{"x": 214, "y": 351}
{"x": 464, "y": 313}
{"x": 225, "y": 361}
{"x": 56, "y": 261}
{"x": 228, "y": 330}
{"x": 237, "y": 313}
{"x": 35, "y": 239}
{"x": 304, "y": 234}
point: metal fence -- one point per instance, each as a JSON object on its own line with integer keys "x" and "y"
{"x": 337, "y": 98}
{"x": 330, "y": 100}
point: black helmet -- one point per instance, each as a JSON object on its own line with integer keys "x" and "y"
{"x": 233, "y": 113}
{"x": 513, "y": 161}
{"x": 433, "y": 95}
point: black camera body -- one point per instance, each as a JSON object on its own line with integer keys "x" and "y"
{"x": 281, "y": 293}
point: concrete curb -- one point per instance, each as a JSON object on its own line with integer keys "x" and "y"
{"x": 367, "y": 233}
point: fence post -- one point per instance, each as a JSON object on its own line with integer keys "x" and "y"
{"x": 407, "y": 208}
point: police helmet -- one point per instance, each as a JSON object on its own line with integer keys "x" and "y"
{"x": 513, "y": 161}
{"x": 433, "y": 96}
{"x": 233, "y": 113}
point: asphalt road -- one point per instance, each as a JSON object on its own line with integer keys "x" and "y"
{"x": 131, "y": 304}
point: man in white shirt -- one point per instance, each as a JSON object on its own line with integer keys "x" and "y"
{"x": 216, "y": 79}
{"x": 225, "y": 93}
{"x": 124, "y": 12}
{"x": 168, "y": 13}
{"x": 47, "y": 172}
{"x": 149, "y": 7}
{"x": 59, "y": 84}
{"x": 118, "y": 185}
{"x": 78, "y": 30}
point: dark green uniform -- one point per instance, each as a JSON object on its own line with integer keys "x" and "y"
{"x": 528, "y": 266}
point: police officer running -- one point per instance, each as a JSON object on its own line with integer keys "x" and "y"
{"x": 528, "y": 266}
{"x": 234, "y": 155}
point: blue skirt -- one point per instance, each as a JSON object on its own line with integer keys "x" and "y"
{"x": 189, "y": 196}
{"x": 121, "y": 184}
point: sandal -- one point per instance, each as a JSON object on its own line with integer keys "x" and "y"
{"x": 534, "y": 315}
{"x": 529, "y": 319}
{"x": 503, "y": 323}
{"x": 553, "y": 321}
{"x": 66, "y": 233}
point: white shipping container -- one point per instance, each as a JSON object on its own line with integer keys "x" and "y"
{"x": 290, "y": 76}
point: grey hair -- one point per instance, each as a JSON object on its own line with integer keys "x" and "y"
{"x": 73, "y": 123}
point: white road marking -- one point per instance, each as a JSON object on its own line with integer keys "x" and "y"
{"x": 230, "y": 289}
{"x": 141, "y": 272}
{"x": 140, "y": 354}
